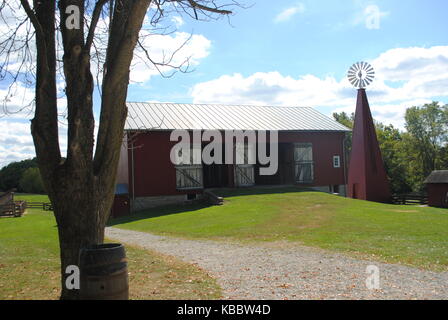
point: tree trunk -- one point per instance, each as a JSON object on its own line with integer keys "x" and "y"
{"x": 81, "y": 208}
{"x": 81, "y": 187}
{"x": 76, "y": 230}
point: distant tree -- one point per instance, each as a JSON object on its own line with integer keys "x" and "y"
{"x": 391, "y": 144}
{"x": 426, "y": 141}
{"x": 11, "y": 174}
{"x": 444, "y": 157}
{"x": 31, "y": 181}
{"x": 345, "y": 119}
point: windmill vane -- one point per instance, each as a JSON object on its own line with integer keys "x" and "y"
{"x": 361, "y": 74}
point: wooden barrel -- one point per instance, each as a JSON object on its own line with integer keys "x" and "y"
{"x": 104, "y": 272}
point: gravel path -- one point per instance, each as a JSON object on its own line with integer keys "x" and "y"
{"x": 275, "y": 271}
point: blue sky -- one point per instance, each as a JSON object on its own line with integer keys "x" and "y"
{"x": 291, "y": 53}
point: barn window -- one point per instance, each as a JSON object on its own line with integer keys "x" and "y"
{"x": 189, "y": 170}
{"x": 336, "y": 162}
{"x": 304, "y": 164}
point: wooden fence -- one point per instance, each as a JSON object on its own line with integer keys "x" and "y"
{"x": 13, "y": 209}
{"x": 17, "y": 208}
{"x": 6, "y": 198}
{"x": 40, "y": 205}
{"x": 410, "y": 199}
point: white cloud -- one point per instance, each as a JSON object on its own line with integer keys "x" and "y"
{"x": 178, "y": 21}
{"x": 16, "y": 101}
{"x": 16, "y": 142}
{"x": 288, "y": 13}
{"x": 270, "y": 88}
{"x": 162, "y": 47}
{"x": 405, "y": 77}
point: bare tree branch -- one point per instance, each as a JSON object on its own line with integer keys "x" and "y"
{"x": 95, "y": 17}
{"x": 195, "y": 5}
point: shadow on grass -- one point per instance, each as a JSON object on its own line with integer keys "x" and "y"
{"x": 159, "y": 212}
{"x": 195, "y": 206}
{"x": 259, "y": 190}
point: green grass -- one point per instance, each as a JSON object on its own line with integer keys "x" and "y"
{"x": 410, "y": 235}
{"x": 29, "y": 264}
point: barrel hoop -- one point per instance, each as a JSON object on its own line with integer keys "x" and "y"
{"x": 95, "y": 265}
{"x": 100, "y": 277}
{"x": 104, "y": 270}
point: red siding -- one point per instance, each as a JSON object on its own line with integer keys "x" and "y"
{"x": 121, "y": 206}
{"x": 437, "y": 195}
{"x": 155, "y": 175}
{"x": 325, "y": 146}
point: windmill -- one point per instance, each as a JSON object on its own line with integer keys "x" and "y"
{"x": 367, "y": 179}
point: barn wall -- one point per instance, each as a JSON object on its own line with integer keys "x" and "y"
{"x": 437, "y": 194}
{"x": 121, "y": 206}
{"x": 155, "y": 175}
{"x": 123, "y": 164}
{"x": 325, "y": 146}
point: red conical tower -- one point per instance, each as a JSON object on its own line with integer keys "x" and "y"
{"x": 367, "y": 179}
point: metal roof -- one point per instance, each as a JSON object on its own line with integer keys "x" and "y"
{"x": 171, "y": 116}
{"x": 440, "y": 176}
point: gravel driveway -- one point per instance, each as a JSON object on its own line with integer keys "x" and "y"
{"x": 276, "y": 271}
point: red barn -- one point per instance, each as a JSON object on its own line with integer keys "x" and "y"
{"x": 437, "y": 186}
{"x": 310, "y": 150}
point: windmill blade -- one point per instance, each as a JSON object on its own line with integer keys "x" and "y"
{"x": 361, "y": 74}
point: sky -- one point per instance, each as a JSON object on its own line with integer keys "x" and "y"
{"x": 284, "y": 53}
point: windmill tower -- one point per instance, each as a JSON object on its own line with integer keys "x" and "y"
{"x": 367, "y": 179}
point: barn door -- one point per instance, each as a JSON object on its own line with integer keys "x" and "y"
{"x": 189, "y": 169}
{"x": 244, "y": 168}
{"x": 244, "y": 175}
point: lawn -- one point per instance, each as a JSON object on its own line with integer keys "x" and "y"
{"x": 410, "y": 235}
{"x": 29, "y": 264}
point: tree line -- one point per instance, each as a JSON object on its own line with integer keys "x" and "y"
{"x": 23, "y": 176}
{"x": 410, "y": 155}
